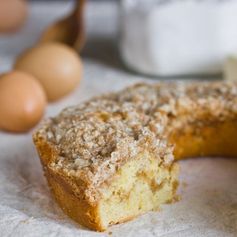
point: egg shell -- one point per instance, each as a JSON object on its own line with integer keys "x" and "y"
{"x": 13, "y": 14}
{"x": 22, "y": 101}
{"x": 57, "y": 67}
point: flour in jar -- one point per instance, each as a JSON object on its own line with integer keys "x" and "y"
{"x": 178, "y": 37}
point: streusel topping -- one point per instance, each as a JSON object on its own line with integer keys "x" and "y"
{"x": 95, "y": 138}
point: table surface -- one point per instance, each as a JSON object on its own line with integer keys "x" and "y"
{"x": 208, "y": 185}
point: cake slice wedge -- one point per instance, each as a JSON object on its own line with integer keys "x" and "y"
{"x": 104, "y": 163}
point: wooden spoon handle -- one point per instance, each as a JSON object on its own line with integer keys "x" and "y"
{"x": 79, "y": 8}
{"x": 78, "y": 18}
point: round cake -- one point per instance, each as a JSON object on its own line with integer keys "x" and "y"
{"x": 115, "y": 156}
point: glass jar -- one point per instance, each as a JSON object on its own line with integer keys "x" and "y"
{"x": 178, "y": 37}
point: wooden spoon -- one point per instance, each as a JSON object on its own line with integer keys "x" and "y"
{"x": 69, "y": 30}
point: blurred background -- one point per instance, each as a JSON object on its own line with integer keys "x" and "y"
{"x": 154, "y": 38}
{"x": 101, "y": 26}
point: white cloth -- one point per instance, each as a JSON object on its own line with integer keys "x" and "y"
{"x": 208, "y": 186}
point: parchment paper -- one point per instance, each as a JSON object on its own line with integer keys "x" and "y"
{"x": 208, "y": 185}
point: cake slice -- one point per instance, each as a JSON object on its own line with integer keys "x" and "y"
{"x": 111, "y": 159}
{"x": 104, "y": 163}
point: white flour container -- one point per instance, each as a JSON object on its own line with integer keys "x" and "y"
{"x": 178, "y": 37}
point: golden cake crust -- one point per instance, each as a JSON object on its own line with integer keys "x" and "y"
{"x": 85, "y": 145}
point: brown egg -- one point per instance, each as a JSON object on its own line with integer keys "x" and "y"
{"x": 22, "y": 101}
{"x": 13, "y": 14}
{"x": 57, "y": 67}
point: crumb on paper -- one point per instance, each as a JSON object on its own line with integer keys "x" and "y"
{"x": 26, "y": 221}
